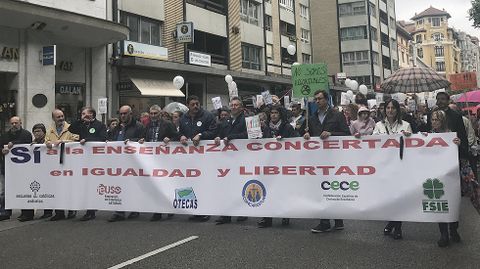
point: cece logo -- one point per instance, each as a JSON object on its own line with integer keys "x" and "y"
{"x": 340, "y": 185}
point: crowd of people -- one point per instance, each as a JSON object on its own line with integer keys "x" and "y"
{"x": 227, "y": 124}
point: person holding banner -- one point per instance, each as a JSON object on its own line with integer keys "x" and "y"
{"x": 88, "y": 128}
{"x": 158, "y": 129}
{"x": 278, "y": 127}
{"x": 127, "y": 130}
{"x": 58, "y": 133}
{"x": 229, "y": 129}
{"x": 324, "y": 123}
{"x": 393, "y": 124}
{"x": 197, "y": 124}
{"x": 440, "y": 125}
{"x": 16, "y": 135}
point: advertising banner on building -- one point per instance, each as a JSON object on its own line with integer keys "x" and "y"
{"x": 339, "y": 177}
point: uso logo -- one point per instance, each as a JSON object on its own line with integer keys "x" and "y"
{"x": 103, "y": 189}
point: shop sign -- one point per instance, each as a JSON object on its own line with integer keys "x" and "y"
{"x": 9, "y": 54}
{"x": 49, "y": 55}
{"x": 185, "y": 32}
{"x": 200, "y": 59}
{"x": 144, "y": 50}
{"x": 69, "y": 88}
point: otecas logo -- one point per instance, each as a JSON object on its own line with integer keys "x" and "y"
{"x": 104, "y": 189}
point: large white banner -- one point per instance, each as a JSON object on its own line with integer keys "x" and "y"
{"x": 340, "y": 177}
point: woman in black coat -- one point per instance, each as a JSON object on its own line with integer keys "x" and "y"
{"x": 277, "y": 127}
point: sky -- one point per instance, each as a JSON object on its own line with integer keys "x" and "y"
{"x": 458, "y": 9}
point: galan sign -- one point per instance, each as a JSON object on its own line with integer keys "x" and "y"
{"x": 9, "y": 54}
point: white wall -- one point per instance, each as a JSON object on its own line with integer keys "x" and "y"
{"x": 207, "y": 21}
{"x": 86, "y": 7}
{"x": 149, "y": 8}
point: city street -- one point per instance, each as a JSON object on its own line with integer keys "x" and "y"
{"x": 99, "y": 244}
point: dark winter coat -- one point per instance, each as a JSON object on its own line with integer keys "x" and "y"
{"x": 203, "y": 122}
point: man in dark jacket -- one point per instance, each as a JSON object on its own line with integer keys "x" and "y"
{"x": 88, "y": 129}
{"x": 127, "y": 130}
{"x": 158, "y": 130}
{"x": 326, "y": 122}
{"x": 228, "y": 130}
{"x": 16, "y": 135}
{"x": 197, "y": 124}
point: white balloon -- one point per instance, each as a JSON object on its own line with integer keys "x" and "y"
{"x": 363, "y": 89}
{"x": 347, "y": 82}
{"x": 353, "y": 85}
{"x": 228, "y": 79}
{"x": 178, "y": 82}
{"x": 296, "y": 63}
{"x": 232, "y": 85}
{"x": 291, "y": 49}
{"x": 350, "y": 93}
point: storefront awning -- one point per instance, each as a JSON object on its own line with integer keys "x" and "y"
{"x": 60, "y": 26}
{"x": 151, "y": 86}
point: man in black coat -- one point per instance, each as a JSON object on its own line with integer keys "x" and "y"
{"x": 325, "y": 123}
{"x": 197, "y": 124}
{"x": 16, "y": 135}
{"x": 127, "y": 130}
{"x": 228, "y": 130}
{"x": 88, "y": 129}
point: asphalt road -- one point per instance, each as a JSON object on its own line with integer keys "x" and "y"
{"x": 99, "y": 244}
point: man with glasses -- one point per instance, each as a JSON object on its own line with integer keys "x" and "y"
{"x": 324, "y": 123}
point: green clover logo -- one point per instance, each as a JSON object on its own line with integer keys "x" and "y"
{"x": 433, "y": 188}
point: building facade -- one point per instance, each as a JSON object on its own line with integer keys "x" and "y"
{"x": 436, "y": 43}
{"x": 31, "y": 85}
{"x": 247, "y": 39}
{"x": 404, "y": 46}
{"x": 358, "y": 38}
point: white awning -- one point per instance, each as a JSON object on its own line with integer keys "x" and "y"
{"x": 155, "y": 87}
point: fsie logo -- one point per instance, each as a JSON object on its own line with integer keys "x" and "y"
{"x": 433, "y": 189}
{"x": 254, "y": 193}
{"x": 185, "y": 199}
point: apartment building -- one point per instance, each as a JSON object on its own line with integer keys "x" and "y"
{"x": 31, "y": 85}
{"x": 358, "y": 38}
{"x": 404, "y": 45}
{"x": 436, "y": 43}
{"x": 247, "y": 39}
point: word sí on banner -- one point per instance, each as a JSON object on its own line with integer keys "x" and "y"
{"x": 339, "y": 177}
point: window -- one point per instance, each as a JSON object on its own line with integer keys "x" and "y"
{"x": 418, "y": 39}
{"x": 386, "y": 62}
{"x": 287, "y": 29}
{"x": 403, "y": 56}
{"x": 286, "y": 4}
{"x": 372, "y": 9}
{"x": 438, "y": 36}
{"x": 355, "y": 57}
{"x": 214, "y": 45}
{"x": 385, "y": 40}
{"x": 375, "y": 57}
{"x": 287, "y": 58}
{"x": 251, "y": 56}
{"x": 249, "y": 11}
{"x": 306, "y": 58}
{"x": 353, "y": 33}
{"x": 384, "y": 17}
{"x": 420, "y": 52}
{"x": 143, "y": 30}
{"x": 305, "y": 36}
{"x": 439, "y": 51}
{"x": 352, "y": 9}
{"x": 268, "y": 22}
{"x": 420, "y": 22}
{"x": 440, "y": 66}
{"x": 373, "y": 33}
{"x": 304, "y": 12}
{"x": 219, "y": 6}
{"x": 435, "y": 22}
{"x": 269, "y": 48}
